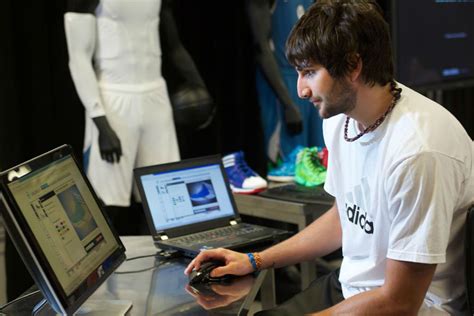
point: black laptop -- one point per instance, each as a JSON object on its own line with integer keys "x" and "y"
{"x": 189, "y": 207}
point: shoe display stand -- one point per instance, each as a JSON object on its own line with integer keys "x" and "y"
{"x": 299, "y": 213}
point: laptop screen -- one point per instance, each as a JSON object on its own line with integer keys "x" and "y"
{"x": 187, "y": 196}
{"x": 66, "y": 221}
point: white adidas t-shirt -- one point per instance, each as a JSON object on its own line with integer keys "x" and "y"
{"x": 402, "y": 193}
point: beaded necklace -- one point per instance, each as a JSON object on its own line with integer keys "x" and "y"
{"x": 396, "y": 92}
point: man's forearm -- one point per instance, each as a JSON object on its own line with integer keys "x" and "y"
{"x": 318, "y": 239}
{"x": 372, "y": 302}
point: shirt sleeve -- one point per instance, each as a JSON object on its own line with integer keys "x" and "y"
{"x": 329, "y": 128}
{"x": 328, "y": 184}
{"x": 421, "y": 192}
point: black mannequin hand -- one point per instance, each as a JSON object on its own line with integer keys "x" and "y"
{"x": 109, "y": 143}
{"x": 293, "y": 121}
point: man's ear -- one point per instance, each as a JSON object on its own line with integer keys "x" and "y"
{"x": 356, "y": 63}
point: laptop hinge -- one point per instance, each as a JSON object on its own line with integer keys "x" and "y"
{"x": 163, "y": 236}
{"x": 233, "y": 222}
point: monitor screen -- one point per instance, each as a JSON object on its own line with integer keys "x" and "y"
{"x": 433, "y": 42}
{"x": 186, "y": 196}
{"x": 55, "y": 221}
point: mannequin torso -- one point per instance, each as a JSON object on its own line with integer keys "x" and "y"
{"x": 128, "y": 47}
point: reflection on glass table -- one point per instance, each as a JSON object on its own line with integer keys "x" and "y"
{"x": 159, "y": 287}
{"x": 218, "y": 295}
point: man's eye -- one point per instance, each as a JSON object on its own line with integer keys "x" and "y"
{"x": 309, "y": 73}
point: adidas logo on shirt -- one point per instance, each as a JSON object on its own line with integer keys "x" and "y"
{"x": 357, "y": 218}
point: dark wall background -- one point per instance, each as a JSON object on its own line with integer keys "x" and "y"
{"x": 40, "y": 108}
{"x": 221, "y": 45}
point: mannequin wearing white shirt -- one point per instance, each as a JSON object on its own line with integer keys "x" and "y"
{"x": 115, "y": 58}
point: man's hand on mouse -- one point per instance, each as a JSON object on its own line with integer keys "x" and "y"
{"x": 235, "y": 263}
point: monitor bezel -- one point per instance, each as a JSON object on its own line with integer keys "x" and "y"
{"x": 30, "y": 250}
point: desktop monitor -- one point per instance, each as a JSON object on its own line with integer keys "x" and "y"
{"x": 56, "y": 222}
{"x": 433, "y": 43}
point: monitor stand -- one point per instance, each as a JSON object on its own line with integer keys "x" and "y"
{"x": 89, "y": 308}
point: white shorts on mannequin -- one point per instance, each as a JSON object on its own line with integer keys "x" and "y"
{"x": 142, "y": 117}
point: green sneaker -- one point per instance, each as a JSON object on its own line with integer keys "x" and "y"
{"x": 309, "y": 171}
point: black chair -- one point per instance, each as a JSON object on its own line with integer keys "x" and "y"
{"x": 470, "y": 259}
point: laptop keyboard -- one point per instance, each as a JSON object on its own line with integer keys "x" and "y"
{"x": 217, "y": 234}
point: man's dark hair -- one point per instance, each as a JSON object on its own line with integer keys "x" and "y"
{"x": 336, "y": 33}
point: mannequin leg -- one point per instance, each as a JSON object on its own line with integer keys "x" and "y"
{"x": 158, "y": 140}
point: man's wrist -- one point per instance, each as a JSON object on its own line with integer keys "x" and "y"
{"x": 255, "y": 260}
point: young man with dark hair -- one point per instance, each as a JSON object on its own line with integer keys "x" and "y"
{"x": 401, "y": 170}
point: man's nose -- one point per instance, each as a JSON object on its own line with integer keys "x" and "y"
{"x": 304, "y": 91}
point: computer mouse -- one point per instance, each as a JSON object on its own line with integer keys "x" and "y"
{"x": 203, "y": 274}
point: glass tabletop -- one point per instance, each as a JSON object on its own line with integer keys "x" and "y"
{"x": 159, "y": 287}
